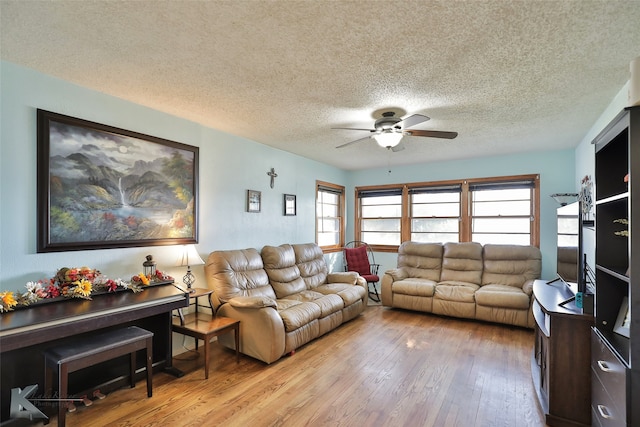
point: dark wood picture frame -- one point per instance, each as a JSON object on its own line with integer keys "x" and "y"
{"x": 623, "y": 322}
{"x": 102, "y": 187}
{"x": 289, "y": 203}
{"x": 254, "y": 201}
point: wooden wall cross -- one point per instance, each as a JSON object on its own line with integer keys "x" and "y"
{"x": 272, "y": 173}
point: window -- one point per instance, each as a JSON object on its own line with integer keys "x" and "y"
{"x": 435, "y": 213}
{"x": 329, "y": 216}
{"x": 502, "y": 210}
{"x": 381, "y": 215}
{"x": 502, "y": 213}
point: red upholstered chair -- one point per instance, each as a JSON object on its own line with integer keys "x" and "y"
{"x": 358, "y": 257}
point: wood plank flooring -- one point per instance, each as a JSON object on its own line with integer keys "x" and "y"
{"x": 385, "y": 368}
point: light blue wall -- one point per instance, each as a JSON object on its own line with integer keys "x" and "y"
{"x": 229, "y": 165}
{"x": 556, "y": 170}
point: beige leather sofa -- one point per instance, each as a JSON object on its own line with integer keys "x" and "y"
{"x": 284, "y": 297}
{"x": 492, "y": 283}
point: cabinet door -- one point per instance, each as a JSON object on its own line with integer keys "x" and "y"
{"x": 544, "y": 366}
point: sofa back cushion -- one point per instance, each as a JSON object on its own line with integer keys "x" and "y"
{"x": 311, "y": 263}
{"x": 421, "y": 260}
{"x": 462, "y": 262}
{"x": 511, "y": 265}
{"x": 237, "y": 273}
{"x": 284, "y": 275}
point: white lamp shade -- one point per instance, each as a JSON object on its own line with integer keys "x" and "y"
{"x": 388, "y": 138}
{"x": 189, "y": 257}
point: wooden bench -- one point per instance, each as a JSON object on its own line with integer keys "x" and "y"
{"x": 94, "y": 349}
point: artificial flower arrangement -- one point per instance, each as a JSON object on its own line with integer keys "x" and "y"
{"x": 74, "y": 283}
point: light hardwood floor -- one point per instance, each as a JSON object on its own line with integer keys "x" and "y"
{"x": 385, "y": 368}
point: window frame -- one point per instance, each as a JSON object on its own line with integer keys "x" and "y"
{"x": 340, "y": 191}
{"x": 466, "y": 217}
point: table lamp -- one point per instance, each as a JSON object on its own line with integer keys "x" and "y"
{"x": 188, "y": 258}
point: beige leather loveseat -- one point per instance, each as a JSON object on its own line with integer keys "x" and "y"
{"x": 283, "y": 296}
{"x": 492, "y": 283}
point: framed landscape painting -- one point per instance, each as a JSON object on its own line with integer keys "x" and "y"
{"x": 103, "y": 187}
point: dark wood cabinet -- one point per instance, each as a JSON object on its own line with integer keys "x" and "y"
{"x": 616, "y": 351}
{"x": 560, "y": 365}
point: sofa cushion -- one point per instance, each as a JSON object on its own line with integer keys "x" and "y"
{"x": 296, "y": 314}
{"x": 462, "y": 262}
{"x": 420, "y": 260}
{"x": 238, "y": 273}
{"x": 328, "y": 303}
{"x": 350, "y": 294}
{"x": 503, "y": 296}
{"x": 511, "y": 265}
{"x": 280, "y": 265}
{"x": 311, "y": 263}
{"x": 417, "y": 287}
{"x": 456, "y": 291}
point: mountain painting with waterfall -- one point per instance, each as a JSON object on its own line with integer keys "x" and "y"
{"x": 114, "y": 188}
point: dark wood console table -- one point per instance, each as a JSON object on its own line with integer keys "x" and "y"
{"x": 25, "y": 333}
{"x": 561, "y": 361}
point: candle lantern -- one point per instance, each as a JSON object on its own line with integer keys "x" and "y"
{"x": 149, "y": 267}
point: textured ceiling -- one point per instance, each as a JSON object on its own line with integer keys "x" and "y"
{"x": 509, "y": 76}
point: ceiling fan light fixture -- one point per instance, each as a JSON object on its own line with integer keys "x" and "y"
{"x": 388, "y": 138}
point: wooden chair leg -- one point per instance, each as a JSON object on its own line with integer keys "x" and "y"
{"x": 375, "y": 292}
{"x": 206, "y": 344}
{"x": 236, "y": 333}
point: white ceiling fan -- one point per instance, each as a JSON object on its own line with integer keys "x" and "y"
{"x": 389, "y": 130}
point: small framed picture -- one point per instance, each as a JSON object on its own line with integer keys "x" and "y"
{"x": 623, "y": 322}
{"x": 254, "y": 200}
{"x": 289, "y": 204}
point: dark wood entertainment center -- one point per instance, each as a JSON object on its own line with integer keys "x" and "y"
{"x": 561, "y": 360}
{"x": 616, "y": 333}
{"x": 25, "y": 333}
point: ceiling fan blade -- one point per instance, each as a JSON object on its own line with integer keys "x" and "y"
{"x": 353, "y": 142}
{"x": 368, "y": 130}
{"x": 413, "y": 120}
{"x": 432, "y": 133}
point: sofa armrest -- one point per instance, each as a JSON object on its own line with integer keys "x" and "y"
{"x": 397, "y": 274}
{"x": 252, "y": 302}
{"x": 527, "y": 288}
{"x": 350, "y": 277}
{"x": 262, "y": 334}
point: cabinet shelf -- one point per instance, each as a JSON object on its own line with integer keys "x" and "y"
{"x": 613, "y": 198}
{"x": 617, "y": 272}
